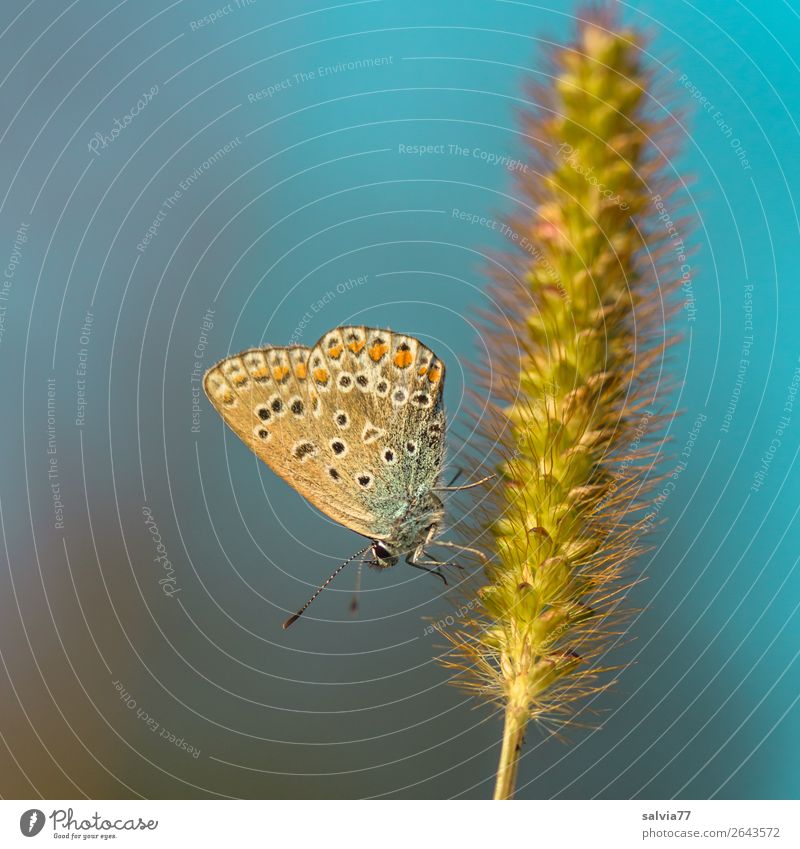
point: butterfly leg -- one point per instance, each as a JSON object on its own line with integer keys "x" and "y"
{"x": 354, "y": 600}
{"x": 432, "y": 562}
{"x": 448, "y": 544}
{"x": 411, "y": 560}
{"x": 465, "y": 486}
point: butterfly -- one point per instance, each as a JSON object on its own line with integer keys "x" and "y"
{"x": 356, "y": 424}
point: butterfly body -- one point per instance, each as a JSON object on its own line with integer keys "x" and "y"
{"x": 418, "y": 523}
{"x": 355, "y": 424}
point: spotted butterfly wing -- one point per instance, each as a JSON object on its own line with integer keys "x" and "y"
{"x": 383, "y": 390}
{"x": 355, "y": 424}
{"x": 262, "y": 395}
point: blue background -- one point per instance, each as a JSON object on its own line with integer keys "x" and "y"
{"x": 317, "y": 191}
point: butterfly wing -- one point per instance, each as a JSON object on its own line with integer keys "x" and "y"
{"x": 264, "y": 396}
{"x": 355, "y": 424}
{"x": 382, "y": 393}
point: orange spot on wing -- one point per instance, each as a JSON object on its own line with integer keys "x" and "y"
{"x": 321, "y": 375}
{"x": 228, "y": 398}
{"x": 239, "y": 379}
{"x": 402, "y": 359}
{"x": 261, "y": 372}
{"x": 356, "y": 345}
{"x": 422, "y": 370}
{"x": 335, "y": 352}
{"x": 280, "y": 372}
{"x": 435, "y": 374}
{"x": 378, "y": 350}
{"x": 301, "y": 371}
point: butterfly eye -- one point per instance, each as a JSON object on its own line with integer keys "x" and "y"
{"x": 380, "y": 551}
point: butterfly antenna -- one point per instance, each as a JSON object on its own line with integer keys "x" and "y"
{"x": 294, "y": 617}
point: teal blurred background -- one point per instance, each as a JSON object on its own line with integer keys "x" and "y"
{"x": 268, "y": 157}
